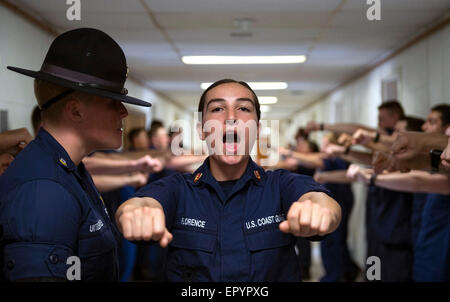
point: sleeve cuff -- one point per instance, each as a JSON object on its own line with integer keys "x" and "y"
{"x": 24, "y": 260}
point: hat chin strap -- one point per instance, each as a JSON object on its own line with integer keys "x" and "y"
{"x": 57, "y": 98}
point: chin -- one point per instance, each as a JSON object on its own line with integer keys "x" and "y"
{"x": 231, "y": 159}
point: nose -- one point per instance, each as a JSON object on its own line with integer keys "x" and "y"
{"x": 231, "y": 118}
{"x": 424, "y": 127}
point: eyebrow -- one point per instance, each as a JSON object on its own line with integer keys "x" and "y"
{"x": 223, "y": 100}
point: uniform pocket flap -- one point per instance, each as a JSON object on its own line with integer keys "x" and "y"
{"x": 267, "y": 239}
{"x": 193, "y": 240}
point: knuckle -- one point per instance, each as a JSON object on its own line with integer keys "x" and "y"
{"x": 292, "y": 215}
{"x": 126, "y": 216}
{"x": 326, "y": 212}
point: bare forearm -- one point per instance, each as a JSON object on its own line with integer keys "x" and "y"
{"x": 105, "y": 183}
{"x": 433, "y": 141}
{"x": 383, "y": 144}
{"x": 160, "y": 154}
{"x": 338, "y": 176}
{"x": 415, "y": 181}
{"x": 358, "y": 157}
{"x": 183, "y": 161}
{"x": 349, "y": 128}
{"x": 310, "y": 160}
{"x": 109, "y": 166}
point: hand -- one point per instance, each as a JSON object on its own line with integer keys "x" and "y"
{"x": 5, "y": 160}
{"x": 363, "y": 137}
{"x": 312, "y": 126}
{"x": 345, "y": 140}
{"x": 383, "y": 161}
{"x": 357, "y": 173}
{"x": 334, "y": 150}
{"x": 285, "y": 152}
{"x": 138, "y": 179}
{"x": 148, "y": 164}
{"x": 318, "y": 177}
{"x": 307, "y": 219}
{"x": 14, "y": 141}
{"x": 407, "y": 145}
{"x": 143, "y": 219}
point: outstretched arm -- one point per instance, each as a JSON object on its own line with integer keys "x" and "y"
{"x": 349, "y": 128}
{"x": 337, "y": 176}
{"x": 314, "y": 213}
{"x": 414, "y": 181}
{"x": 98, "y": 165}
{"x": 105, "y": 183}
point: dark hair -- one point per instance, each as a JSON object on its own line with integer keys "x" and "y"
{"x": 313, "y": 147}
{"x": 413, "y": 123}
{"x": 444, "y": 110}
{"x": 134, "y": 132}
{"x": 155, "y": 125}
{"x": 36, "y": 118}
{"x": 393, "y": 106}
{"x": 301, "y": 133}
{"x": 201, "y": 104}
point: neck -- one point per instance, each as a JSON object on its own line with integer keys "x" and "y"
{"x": 69, "y": 140}
{"x": 224, "y": 172}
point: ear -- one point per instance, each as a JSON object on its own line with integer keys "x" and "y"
{"x": 200, "y": 131}
{"x": 75, "y": 110}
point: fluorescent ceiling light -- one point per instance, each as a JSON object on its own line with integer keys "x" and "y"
{"x": 258, "y": 85}
{"x": 196, "y": 60}
{"x": 264, "y": 108}
{"x": 267, "y": 100}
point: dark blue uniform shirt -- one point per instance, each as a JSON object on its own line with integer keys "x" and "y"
{"x": 432, "y": 253}
{"x": 390, "y": 215}
{"x": 50, "y": 210}
{"x": 235, "y": 237}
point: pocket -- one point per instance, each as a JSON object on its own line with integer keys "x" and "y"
{"x": 267, "y": 239}
{"x": 192, "y": 240}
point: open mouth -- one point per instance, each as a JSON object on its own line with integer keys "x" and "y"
{"x": 231, "y": 142}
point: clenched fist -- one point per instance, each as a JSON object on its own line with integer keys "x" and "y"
{"x": 319, "y": 215}
{"x": 143, "y": 219}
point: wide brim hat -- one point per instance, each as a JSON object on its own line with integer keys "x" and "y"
{"x": 86, "y": 60}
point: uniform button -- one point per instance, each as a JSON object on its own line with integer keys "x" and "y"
{"x": 53, "y": 259}
{"x": 10, "y": 264}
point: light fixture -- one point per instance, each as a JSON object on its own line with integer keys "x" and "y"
{"x": 257, "y": 85}
{"x": 209, "y": 60}
{"x": 267, "y": 100}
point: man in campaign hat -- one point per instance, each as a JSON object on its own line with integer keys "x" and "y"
{"x": 50, "y": 209}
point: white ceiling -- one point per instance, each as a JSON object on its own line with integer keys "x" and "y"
{"x": 335, "y": 35}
